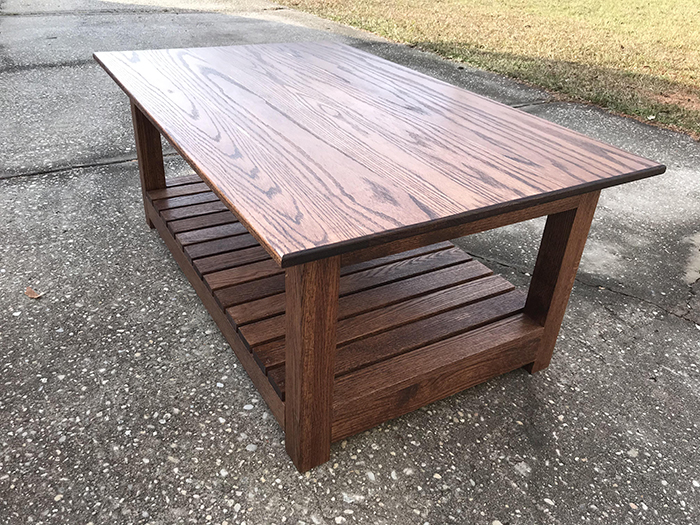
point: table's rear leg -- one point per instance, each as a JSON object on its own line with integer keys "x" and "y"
{"x": 560, "y": 252}
{"x": 311, "y": 317}
{"x": 149, "y": 153}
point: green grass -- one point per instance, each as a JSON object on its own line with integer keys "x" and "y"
{"x": 634, "y": 57}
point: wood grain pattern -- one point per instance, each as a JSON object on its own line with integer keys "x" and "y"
{"x": 223, "y": 261}
{"x": 560, "y": 252}
{"x": 184, "y": 200}
{"x": 220, "y": 247}
{"x": 361, "y": 343}
{"x": 407, "y": 382}
{"x": 242, "y": 274}
{"x": 211, "y": 233}
{"x": 352, "y": 328}
{"x": 196, "y": 210}
{"x": 374, "y": 250}
{"x": 204, "y": 221}
{"x": 312, "y": 302}
{"x": 374, "y": 315}
{"x": 171, "y": 182}
{"x": 274, "y": 305}
{"x": 321, "y": 149}
{"x": 178, "y": 190}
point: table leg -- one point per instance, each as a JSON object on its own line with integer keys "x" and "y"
{"x": 149, "y": 153}
{"x": 311, "y": 318}
{"x": 560, "y": 252}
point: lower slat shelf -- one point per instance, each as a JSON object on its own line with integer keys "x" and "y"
{"x": 412, "y": 327}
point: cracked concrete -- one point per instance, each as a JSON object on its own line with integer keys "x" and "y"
{"x": 121, "y": 402}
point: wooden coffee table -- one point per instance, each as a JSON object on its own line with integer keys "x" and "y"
{"x": 314, "y": 231}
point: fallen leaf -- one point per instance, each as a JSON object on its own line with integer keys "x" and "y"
{"x": 29, "y": 292}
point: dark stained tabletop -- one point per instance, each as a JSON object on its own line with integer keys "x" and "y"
{"x": 319, "y": 148}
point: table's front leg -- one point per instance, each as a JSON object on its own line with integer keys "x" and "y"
{"x": 560, "y": 252}
{"x": 149, "y": 152}
{"x": 311, "y": 317}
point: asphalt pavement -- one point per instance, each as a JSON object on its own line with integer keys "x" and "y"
{"x": 120, "y": 402}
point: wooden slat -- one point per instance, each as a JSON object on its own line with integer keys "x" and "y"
{"x": 259, "y": 380}
{"x": 322, "y": 149}
{"x": 185, "y": 200}
{"x": 271, "y": 355}
{"x": 408, "y": 254}
{"x": 366, "y": 300}
{"x": 171, "y": 182}
{"x": 251, "y": 291}
{"x": 193, "y": 211}
{"x": 420, "y": 307}
{"x": 386, "y": 345}
{"x": 242, "y": 274}
{"x": 274, "y": 305}
{"x": 400, "y": 385}
{"x": 219, "y": 246}
{"x": 358, "y": 303}
{"x": 401, "y": 269}
{"x": 204, "y": 221}
{"x": 210, "y": 234}
{"x": 427, "y": 331}
{"x": 230, "y": 259}
{"x": 178, "y": 191}
{"x": 367, "y": 278}
{"x": 353, "y": 303}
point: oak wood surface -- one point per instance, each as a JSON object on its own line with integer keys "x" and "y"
{"x": 149, "y": 152}
{"x": 203, "y": 221}
{"x": 560, "y": 252}
{"x": 185, "y": 200}
{"x": 210, "y": 233}
{"x": 178, "y": 190}
{"x": 400, "y": 385}
{"x": 171, "y": 182}
{"x": 219, "y": 247}
{"x": 223, "y": 261}
{"x": 437, "y": 319}
{"x": 321, "y": 149}
{"x": 352, "y": 328}
{"x": 195, "y": 210}
{"x": 483, "y": 301}
{"x": 274, "y": 305}
{"x": 312, "y": 302}
{"x": 268, "y": 323}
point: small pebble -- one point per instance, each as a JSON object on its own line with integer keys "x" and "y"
{"x": 549, "y": 501}
{"x": 251, "y": 448}
{"x": 248, "y": 407}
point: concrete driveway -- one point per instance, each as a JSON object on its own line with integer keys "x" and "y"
{"x": 120, "y": 402}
